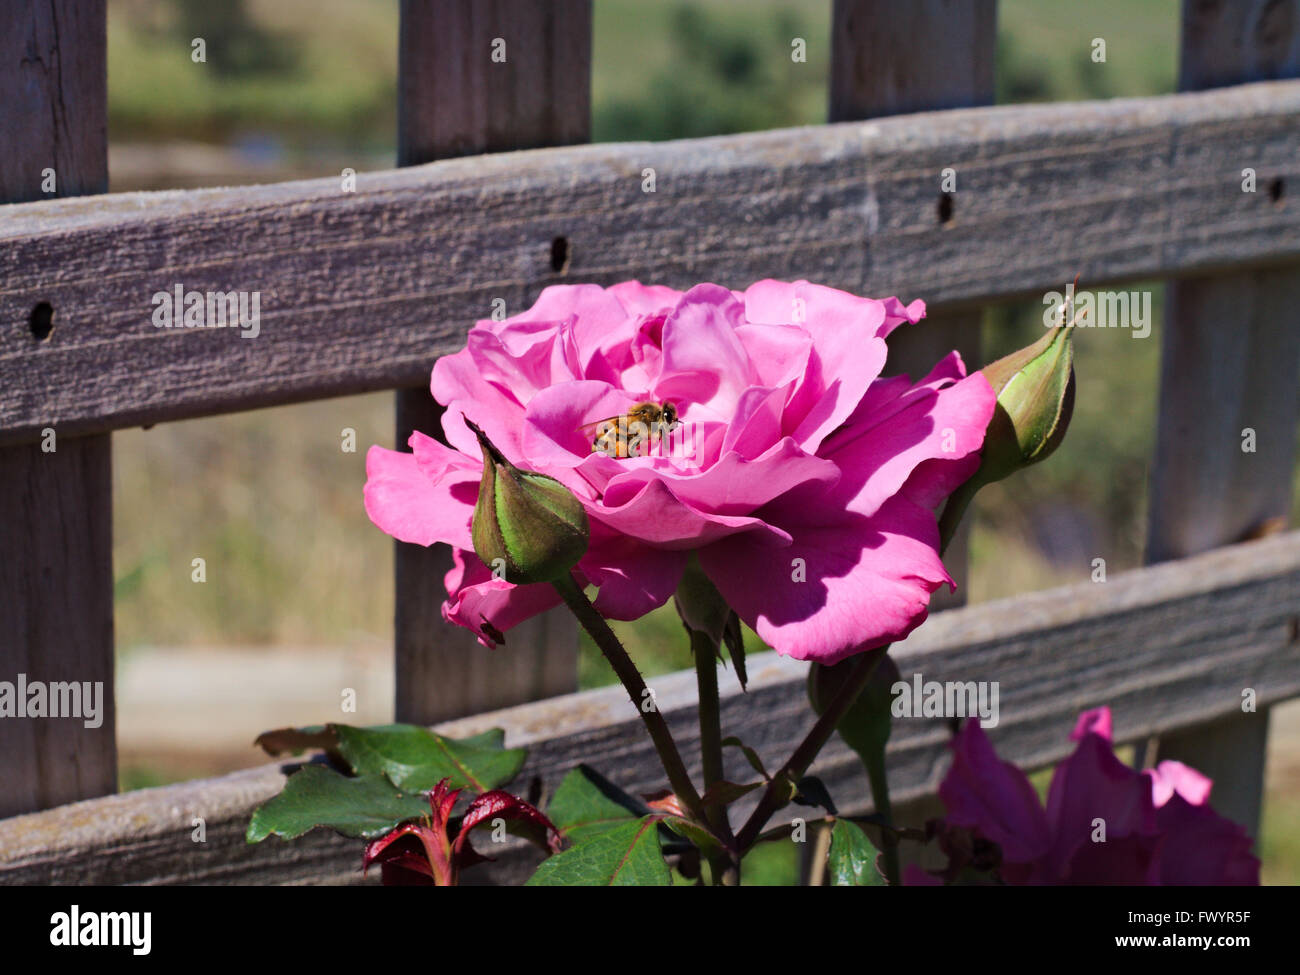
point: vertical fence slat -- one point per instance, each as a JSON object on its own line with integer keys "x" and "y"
{"x": 454, "y": 100}
{"x": 1231, "y": 361}
{"x": 890, "y": 59}
{"x": 56, "y": 511}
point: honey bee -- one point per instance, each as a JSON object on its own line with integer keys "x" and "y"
{"x": 630, "y": 434}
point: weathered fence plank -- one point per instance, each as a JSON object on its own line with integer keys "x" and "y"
{"x": 360, "y": 291}
{"x": 56, "y": 509}
{"x": 1166, "y": 647}
{"x": 1225, "y": 448}
{"x": 480, "y": 77}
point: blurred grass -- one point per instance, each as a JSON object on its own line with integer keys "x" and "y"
{"x": 273, "y": 504}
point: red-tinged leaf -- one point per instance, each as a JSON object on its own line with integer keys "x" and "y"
{"x": 423, "y": 846}
{"x": 530, "y": 822}
{"x": 442, "y": 799}
{"x": 416, "y": 847}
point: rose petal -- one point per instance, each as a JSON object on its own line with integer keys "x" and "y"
{"x": 424, "y": 497}
{"x": 866, "y": 580}
{"x": 476, "y": 597}
{"x": 984, "y": 793}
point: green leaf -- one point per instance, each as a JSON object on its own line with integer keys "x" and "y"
{"x": 366, "y": 806}
{"x": 615, "y": 838}
{"x": 587, "y": 803}
{"x": 726, "y": 793}
{"x": 734, "y": 637}
{"x": 417, "y": 759}
{"x": 700, "y": 837}
{"x": 412, "y": 756}
{"x": 852, "y": 858}
{"x": 812, "y": 791}
{"x": 617, "y": 854}
{"x": 751, "y": 756}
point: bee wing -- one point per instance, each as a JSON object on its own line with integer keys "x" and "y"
{"x": 595, "y": 423}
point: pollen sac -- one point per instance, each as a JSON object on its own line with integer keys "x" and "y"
{"x": 526, "y": 524}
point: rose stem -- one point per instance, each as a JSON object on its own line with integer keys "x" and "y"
{"x": 803, "y": 756}
{"x": 725, "y": 867}
{"x": 821, "y": 733}
{"x": 634, "y": 684}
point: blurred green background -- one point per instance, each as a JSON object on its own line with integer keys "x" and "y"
{"x": 300, "y": 88}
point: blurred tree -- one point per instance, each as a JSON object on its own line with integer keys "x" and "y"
{"x": 236, "y": 46}
{"x": 724, "y": 75}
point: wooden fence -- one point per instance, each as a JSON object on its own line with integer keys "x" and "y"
{"x": 362, "y": 290}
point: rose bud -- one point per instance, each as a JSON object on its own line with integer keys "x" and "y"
{"x": 699, "y": 603}
{"x": 1035, "y": 391}
{"x": 526, "y": 523}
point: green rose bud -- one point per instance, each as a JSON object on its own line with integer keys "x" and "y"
{"x": 1035, "y": 391}
{"x": 699, "y": 603}
{"x": 526, "y": 525}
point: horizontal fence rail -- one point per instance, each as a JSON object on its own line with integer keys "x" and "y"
{"x": 361, "y": 290}
{"x": 1167, "y": 647}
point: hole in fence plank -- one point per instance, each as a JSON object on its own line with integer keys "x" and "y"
{"x": 560, "y": 255}
{"x": 41, "y": 321}
{"x": 945, "y": 208}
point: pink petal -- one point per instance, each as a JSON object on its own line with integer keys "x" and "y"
{"x": 704, "y": 361}
{"x": 994, "y": 797}
{"x": 780, "y": 353}
{"x": 867, "y": 580}
{"x": 1122, "y": 860}
{"x": 735, "y": 485}
{"x": 652, "y": 513}
{"x": 645, "y": 299}
{"x": 475, "y": 597}
{"x": 633, "y": 578}
{"x": 1094, "y": 722}
{"x": 934, "y": 421}
{"x": 1201, "y": 847}
{"x": 1171, "y": 778}
{"x": 849, "y": 351}
{"x": 424, "y": 497}
{"x": 1091, "y": 785}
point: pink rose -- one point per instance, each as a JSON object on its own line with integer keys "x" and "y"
{"x": 804, "y": 481}
{"x": 1159, "y": 827}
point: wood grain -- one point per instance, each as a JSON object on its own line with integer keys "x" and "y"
{"x": 1166, "y": 647}
{"x": 361, "y": 291}
{"x": 456, "y": 100}
{"x": 1231, "y": 362}
{"x": 56, "y": 511}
